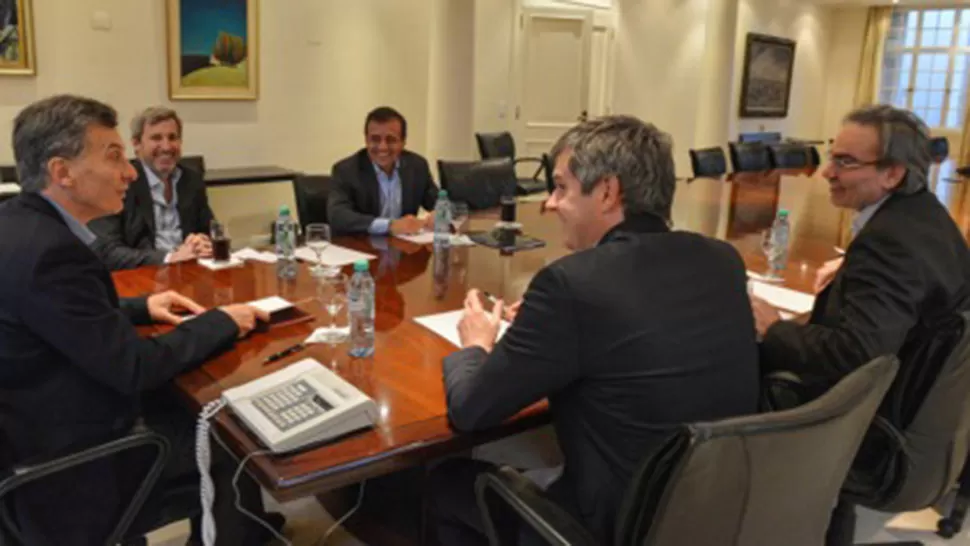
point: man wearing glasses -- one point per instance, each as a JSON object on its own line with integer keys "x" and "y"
{"x": 904, "y": 278}
{"x": 379, "y": 189}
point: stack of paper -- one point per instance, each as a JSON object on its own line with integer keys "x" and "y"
{"x": 217, "y": 266}
{"x": 252, "y": 254}
{"x": 427, "y": 238}
{"x": 333, "y": 256}
{"x": 446, "y": 325}
{"x": 783, "y": 298}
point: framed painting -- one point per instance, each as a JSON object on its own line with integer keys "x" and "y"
{"x": 213, "y": 49}
{"x": 766, "y": 86}
{"x": 16, "y": 38}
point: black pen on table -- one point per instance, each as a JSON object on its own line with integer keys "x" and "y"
{"x": 284, "y": 353}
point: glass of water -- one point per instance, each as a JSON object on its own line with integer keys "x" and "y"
{"x": 317, "y": 240}
{"x": 332, "y": 295}
{"x": 768, "y": 248}
{"x": 459, "y": 215}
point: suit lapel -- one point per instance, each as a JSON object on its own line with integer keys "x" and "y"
{"x": 408, "y": 206}
{"x": 185, "y": 206}
{"x": 369, "y": 180}
{"x": 144, "y": 208}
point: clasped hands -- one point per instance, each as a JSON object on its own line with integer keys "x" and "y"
{"x": 196, "y": 245}
{"x": 162, "y": 307}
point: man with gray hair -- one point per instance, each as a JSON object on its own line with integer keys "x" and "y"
{"x": 74, "y": 372}
{"x": 166, "y": 217}
{"x": 905, "y": 271}
{"x": 622, "y": 344}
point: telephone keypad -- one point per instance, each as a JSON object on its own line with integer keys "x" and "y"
{"x": 291, "y": 405}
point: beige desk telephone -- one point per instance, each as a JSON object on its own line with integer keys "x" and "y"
{"x": 304, "y": 403}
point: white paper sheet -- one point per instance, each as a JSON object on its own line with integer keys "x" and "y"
{"x": 271, "y": 304}
{"x": 252, "y": 254}
{"x": 333, "y": 256}
{"x": 783, "y": 298}
{"x": 446, "y": 325}
{"x": 427, "y": 238}
{"x": 9, "y": 188}
{"x": 216, "y": 266}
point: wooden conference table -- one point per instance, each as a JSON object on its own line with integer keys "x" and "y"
{"x": 404, "y": 375}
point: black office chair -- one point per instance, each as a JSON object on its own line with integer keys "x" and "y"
{"x": 749, "y": 157}
{"x": 311, "y": 191}
{"x": 499, "y": 145}
{"x": 789, "y": 156}
{"x": 764, "y": 138}
{"x": 814, "y": 158}
{"x": 194, "y": 162}
{"x": 481, "y": 184}
{"x": 21, "y": 476}
{"x": 8, "y": 174}
{"x": 761, "y": 480}
{"x": 939, "y": 149}
{"x": 708, "y": 162}
{"x": 917, "y": 446}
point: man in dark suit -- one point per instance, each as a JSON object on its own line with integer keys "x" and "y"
{"x": 72, "y": 366}
{"x": 379, "y": 189}
{"x": 904, "y": 277}
{"x": 166, "y": 216}
{"x": 622, "y": 344}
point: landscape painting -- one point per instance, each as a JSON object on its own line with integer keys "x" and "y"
{"x": 213, "y": 49}
{"x": 766, "y": 87}
{"x": 16, "y": 38}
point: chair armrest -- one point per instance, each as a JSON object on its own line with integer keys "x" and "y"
{"x": 542, "y": 165}
{"x": 25, "y": 474}
{"x": 507, "y": 489}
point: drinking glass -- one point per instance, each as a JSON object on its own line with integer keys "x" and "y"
{"x": 332, "y": 295}
{"x": 459, "y": 215}
{"x": 221, "y": 243}
{"x": 317, "y": 240}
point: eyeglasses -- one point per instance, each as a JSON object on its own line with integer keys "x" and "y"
{"x": 848, "y": 163}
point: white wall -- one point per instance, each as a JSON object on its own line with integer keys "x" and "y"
{"x": 451, "y": 83}
{"x": 810, "y": 26}
{"x": 845, "y": 52}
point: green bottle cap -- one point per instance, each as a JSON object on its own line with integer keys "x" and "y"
{"x": 360, "y": 265}
{"x": 284, "y": 210}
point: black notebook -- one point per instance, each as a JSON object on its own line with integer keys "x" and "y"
{"x": 506, "y": 240}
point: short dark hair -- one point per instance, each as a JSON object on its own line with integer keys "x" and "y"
{"x": 904, "y": 139}
{"x": 384, "y": 114}
{"x": 54, "y": 127}
{"x": 151, "y": 116}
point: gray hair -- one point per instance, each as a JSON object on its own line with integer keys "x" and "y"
{"x": 904, "y": 139}
{"x": 54, "y": 127}
{"x": 637, "y": 153}
{"x": 151, "y": 116}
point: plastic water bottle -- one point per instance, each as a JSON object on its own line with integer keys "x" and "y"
{"x": 778, "y": 253}
{"x": 442, "y": 219}
{"x": 285, "y": 229}
{"x": 360, "y": 303}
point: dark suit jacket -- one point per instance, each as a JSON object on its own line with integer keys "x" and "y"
{"x": 72, "y": 365}
{"x": 127, "y": 240}
{"x": 355, "y": 196}
{"x": 649, "y": 330}
{"x": 904, "y": 275}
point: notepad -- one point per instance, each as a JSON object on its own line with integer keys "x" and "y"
{"x": 783, "y": 298}
{"x": 446, "y": 325}
{"x": 427, "y": 238}
{"x": 217, "y": 266}
{"x": 333, "y": 256}
{"x": 252, "y": 254}
{"x": 282, "y": 312}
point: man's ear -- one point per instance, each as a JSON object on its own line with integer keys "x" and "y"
{"x": 897, "y": 173}
{"x": 59, "y": 171}
{"x": 611, "y": 195}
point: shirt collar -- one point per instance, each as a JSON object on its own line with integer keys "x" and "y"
{"x": 638, "y": 223}
{"x": 379, "y": 171}
{"x": 864, "y": 215}
{"x": 154, "y": 180}
{"x": 80, "y": 230}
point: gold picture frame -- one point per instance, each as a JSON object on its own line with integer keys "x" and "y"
{"x": 213, "y": 49}
{"x": 17, "y": 38}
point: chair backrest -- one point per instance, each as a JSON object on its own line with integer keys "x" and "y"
{"x": 310, "y": 192}
{"x": 749, "y": 157}
{"x": 939, "y": 149}
{"x": 760, "y": 480}
{"x": 481, "y": 184}
{"x": 914, "y": 457}
{"x": 789, "y": 156}
{"x": 496, "y": 145}
{"x": 708, "y": 162}
{"x": 194, "y": 162}
{"x": 766, "y": 138}
{"x": 814, "y": 158}
{"x": 8, "y": 174}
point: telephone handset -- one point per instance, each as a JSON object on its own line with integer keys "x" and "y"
{"x": 302, "y": 404}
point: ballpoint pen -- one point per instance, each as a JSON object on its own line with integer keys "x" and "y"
{"x": 284, "y": 353}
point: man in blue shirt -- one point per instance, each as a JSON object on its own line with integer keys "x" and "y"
{"x": 379, "y": 189}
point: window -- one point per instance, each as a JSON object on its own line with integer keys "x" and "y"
{"x": 926, "y": 64}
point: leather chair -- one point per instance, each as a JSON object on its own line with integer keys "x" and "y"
{"x": 918, "y": 445}
{"x": 789, "y": 156}
{"x": 499, "y": 145}
{"x": 481, "y": 184}
{"x": 311, "y": 191}
{"x": 761, "y": 480}
{"x": 749, "y": 157}
{"x": 138, "y": 440}
{"x": 194, "y": 162}
{"x": 765, "y": 138}
{"x": 708, "y": 162}
{"x": 814, "y": 158}
{"x": 8, "y": 174}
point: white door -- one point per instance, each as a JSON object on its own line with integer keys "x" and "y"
{"x": 552, "y": 77}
